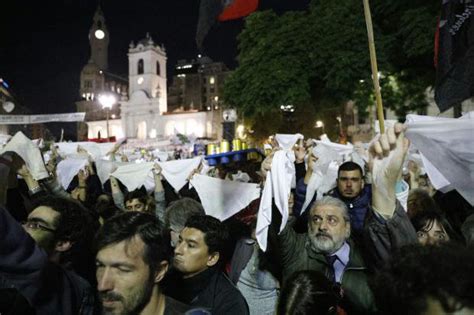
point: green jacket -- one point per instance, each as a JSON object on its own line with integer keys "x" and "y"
{"x": 297, "y": 254}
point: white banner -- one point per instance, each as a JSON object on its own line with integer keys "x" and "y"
{"x": 38, "y": 119}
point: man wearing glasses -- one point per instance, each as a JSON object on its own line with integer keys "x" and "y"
{"x": 48, "y": 259}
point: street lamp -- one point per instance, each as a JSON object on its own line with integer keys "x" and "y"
{"x": 107, "y": 100}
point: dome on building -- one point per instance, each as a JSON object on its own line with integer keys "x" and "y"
{"x": 146, "y": 41}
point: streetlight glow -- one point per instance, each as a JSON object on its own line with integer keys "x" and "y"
{"x": 287, "y": 108}
{"x": 107, "y": 100}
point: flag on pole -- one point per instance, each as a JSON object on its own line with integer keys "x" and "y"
{"x": 455, "y": 54}
{"x": 222, "y": 10}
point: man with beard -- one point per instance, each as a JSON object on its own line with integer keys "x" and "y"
{"x": 132, "y": 259}
{"x": 327, "y": 246}
{"x": 328, "y": 249}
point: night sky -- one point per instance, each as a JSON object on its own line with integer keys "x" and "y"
{"x": 44, "y": 44}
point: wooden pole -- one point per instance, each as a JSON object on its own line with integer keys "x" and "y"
{"x": 373, "y": 63}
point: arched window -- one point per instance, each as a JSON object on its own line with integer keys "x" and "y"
{"x": 140, "y": 66}
{"x": 158, "y": 68}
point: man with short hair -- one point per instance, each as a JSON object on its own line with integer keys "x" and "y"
{"x": 198, "y": 257}
{"x": 131, "y": 261}
{"x": 136, "y": 200}
{"x": 351, "y": 189}
{"x": 42, "y": 259}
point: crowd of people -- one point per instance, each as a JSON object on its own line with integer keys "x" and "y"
{"x": 312, "y": 227}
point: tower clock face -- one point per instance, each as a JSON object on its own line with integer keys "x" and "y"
{"x": 99, "y": 34}
{"x": 140, "y": 80}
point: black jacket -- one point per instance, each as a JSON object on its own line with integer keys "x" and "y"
{"x": 211, "y": 290}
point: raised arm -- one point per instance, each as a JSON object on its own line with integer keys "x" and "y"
{"x": 388, "y": 227}
{"x": 117, "y": 194}
{"x": 159, "y": 194}
{"x": 386, "y": 156}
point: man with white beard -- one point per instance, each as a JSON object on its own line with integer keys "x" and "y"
{"x": 327, "y": 246}
{"x": 329, "y": 227}
{"x": 328, "y": 249}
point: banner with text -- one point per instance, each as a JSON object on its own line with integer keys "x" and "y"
{"x": 39, "y": 119}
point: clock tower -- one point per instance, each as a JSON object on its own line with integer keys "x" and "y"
{"x": 147, "y": 69}
{"x": 99, "y": 40}
{"x": 147, "y": 89}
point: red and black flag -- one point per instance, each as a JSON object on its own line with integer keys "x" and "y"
{"x": 223, "y": 10}
{"x": 454, "y": 55}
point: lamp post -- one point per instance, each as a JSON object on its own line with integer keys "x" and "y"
{"x": 107, "y": 100}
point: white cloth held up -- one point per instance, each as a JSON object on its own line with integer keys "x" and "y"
{"x": 320, "y": 181}
{"x": 106, "y": 167}
{"x": 133, "y": 175}
{"x": 277, "y": 186}
{"x": 448, "y": 143}
{"x": 29, "y": 152}
{"x": 177, "y": 172}
{"x": 68, "y": 168}
{"x": 224, "y": 198}
{"x": 96, "y": 150}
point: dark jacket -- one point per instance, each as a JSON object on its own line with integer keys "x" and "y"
{"x": 48, "y": 287}
{"x": 358, "y": 207}
{"x": 298, "y": 254}
{"x": 211, "y": 290}
{"x": 383, "y": 236}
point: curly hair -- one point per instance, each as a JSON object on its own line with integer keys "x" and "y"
{"x": 75, "y": 224}
{"x": 415, "y": 273}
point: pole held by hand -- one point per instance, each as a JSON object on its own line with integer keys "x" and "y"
{"x": 373, "y": 63}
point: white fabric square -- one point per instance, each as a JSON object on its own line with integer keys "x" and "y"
{"x": 133, "y": 175}
{"x": 29, "y": 152}
{"x": 177, "y": 172}
{"x": 224, "y": 198}
{"x": 68, "y": 168}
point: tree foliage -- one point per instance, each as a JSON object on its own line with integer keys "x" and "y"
{"x": 320, "y": 57}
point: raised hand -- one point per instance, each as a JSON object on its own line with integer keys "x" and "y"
{"x": 23, "y": 171}
{"x": 157, "y": 169}
{"x": 386, "y": 157}
{"x": 300, "y": 151}
{"x": 80, "y": 149}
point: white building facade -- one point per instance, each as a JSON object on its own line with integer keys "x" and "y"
{"x": 143, "y": 112}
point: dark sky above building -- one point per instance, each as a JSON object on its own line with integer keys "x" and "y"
{"x": 44, "y": 44}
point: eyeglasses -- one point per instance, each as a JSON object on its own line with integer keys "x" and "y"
{"x": 37, "y": 226}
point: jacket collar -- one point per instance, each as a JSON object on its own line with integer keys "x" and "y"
{"x": 355, "y": 258}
